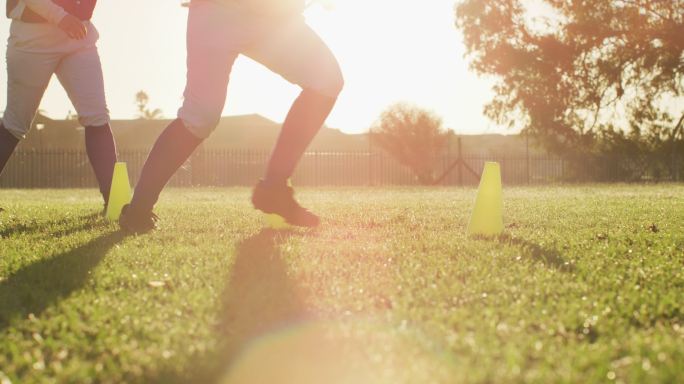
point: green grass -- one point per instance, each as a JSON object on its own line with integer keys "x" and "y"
{"x": 587, "y": 285}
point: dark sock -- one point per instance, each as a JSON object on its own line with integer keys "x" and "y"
{"x": 307, "y": 115}
{"x": 173, "y": 147}
{"x": 7, "y": 145}
{"x": 101, "y": 151}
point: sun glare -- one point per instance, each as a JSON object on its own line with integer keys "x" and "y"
{"x": 401, "y": 51}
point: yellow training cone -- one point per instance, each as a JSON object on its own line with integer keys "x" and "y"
{"x": 275, "y": 221}
{"x": 120, "y": 192}
{"x": 487, "y": 218}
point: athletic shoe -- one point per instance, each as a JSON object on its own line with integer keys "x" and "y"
{"x": 132, "y": 221}
{"x": 280, "y": 200}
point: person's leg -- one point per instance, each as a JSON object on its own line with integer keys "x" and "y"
{"x": 209, "y": 62}
{"x": 81, "y": 76}
{"x": 295, "y": 52}
{"x": 172, "y": 148}
{"x": 7, "y": 145}
{"x": 299, "y": 55}
{"x": 101, "y": 150}
{"x": 306, "y": 116}
{"x": 28, "y": 75}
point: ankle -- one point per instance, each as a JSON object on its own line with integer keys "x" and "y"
{"x": 138, "y": 206}
{"x": 274, "y": 182}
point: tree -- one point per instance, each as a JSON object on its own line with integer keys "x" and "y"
{"x": 583, "y": 69}
{"x": 141, "y": 101}
{"x": 413, "y": 136}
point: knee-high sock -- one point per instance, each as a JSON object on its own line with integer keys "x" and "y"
{"x": 101, "y": 151}
{"x": 173, "y": 147}
{"x": 7, "y": 145}
{"x": 307, "y": 115}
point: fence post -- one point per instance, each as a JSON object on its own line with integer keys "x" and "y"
{"x": 674, "y": 166}
{"x": 370, "y": 168}
{"x": 677, "y": 167}
{"x": 196, "y": 163}
{"x": 460, "y": 162}
{"x": 316, "y": 170}
{"x": 563, "y": 169}
{"x": 527, "y": 156}
{"x": 370, "y": 159}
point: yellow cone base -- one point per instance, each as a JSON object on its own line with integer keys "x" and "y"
{"x": 274, "y": 221}
{"x": 487, "y": 217}
{"x": 120, "y": 193}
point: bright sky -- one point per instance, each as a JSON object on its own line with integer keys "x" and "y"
{"x": 389, "y": 50}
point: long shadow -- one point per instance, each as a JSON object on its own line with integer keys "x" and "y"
{"x": 548, "y": 256}
{"x": 259, "y": 299}
{"x": 34, "y": 288}
{"x": 86, "y": 222}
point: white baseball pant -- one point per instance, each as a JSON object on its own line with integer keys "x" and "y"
{"x": 219, "y": 31}
{"x": 36, "y": 51}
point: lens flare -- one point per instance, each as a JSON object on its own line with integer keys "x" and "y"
{"x": 336, "y": 352}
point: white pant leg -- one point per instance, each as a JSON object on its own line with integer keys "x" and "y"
{"x": 214, "y": 39}
{"x": 219, "y": 32}
{"x": 294, "y": 51}
{"x": 81, "y": 76}
{"x": 28, "y": 75}
{"x": 34, "y": 53}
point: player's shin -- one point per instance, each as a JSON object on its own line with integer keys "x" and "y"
{"x": 307, "y": 115}
{"x": 173, "y": 147}
{"x": 101, "y": 151}
{"x": 7, "y": 145}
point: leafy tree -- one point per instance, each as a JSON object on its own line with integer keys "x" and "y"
{"x": 582, "y": 71}
{"x": 413, "y": 136}
{"x": 141, "y": 101}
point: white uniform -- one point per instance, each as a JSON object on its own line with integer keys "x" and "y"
{"x": 272, "y": 8}
{"x": 36, "y": 51}
{"x": 220, "y": 30}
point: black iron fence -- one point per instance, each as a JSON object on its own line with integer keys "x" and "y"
{"x": 71, "y": 169}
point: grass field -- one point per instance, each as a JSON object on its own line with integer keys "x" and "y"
{"x": 586, "y": 285}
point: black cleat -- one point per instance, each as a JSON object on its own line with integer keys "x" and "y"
{"x": 280, "y": 200}
{"x": 137, "y": 222}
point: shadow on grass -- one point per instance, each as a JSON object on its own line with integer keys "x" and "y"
{"x": 34, "y": 288}
{"x": 85, "y": 222}
{"x": 259, "y": 299}
{"x": 547, "y": 256}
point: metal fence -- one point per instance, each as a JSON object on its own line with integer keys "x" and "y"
{"x": 71, "y": 169}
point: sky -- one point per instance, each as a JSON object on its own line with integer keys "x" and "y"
{"x": 389, "y": 51}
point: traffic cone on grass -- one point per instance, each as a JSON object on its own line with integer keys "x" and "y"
{"x": 120, "y": 193}
{"x": 275, "y": 221}
{"x": 487, "y": 217}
